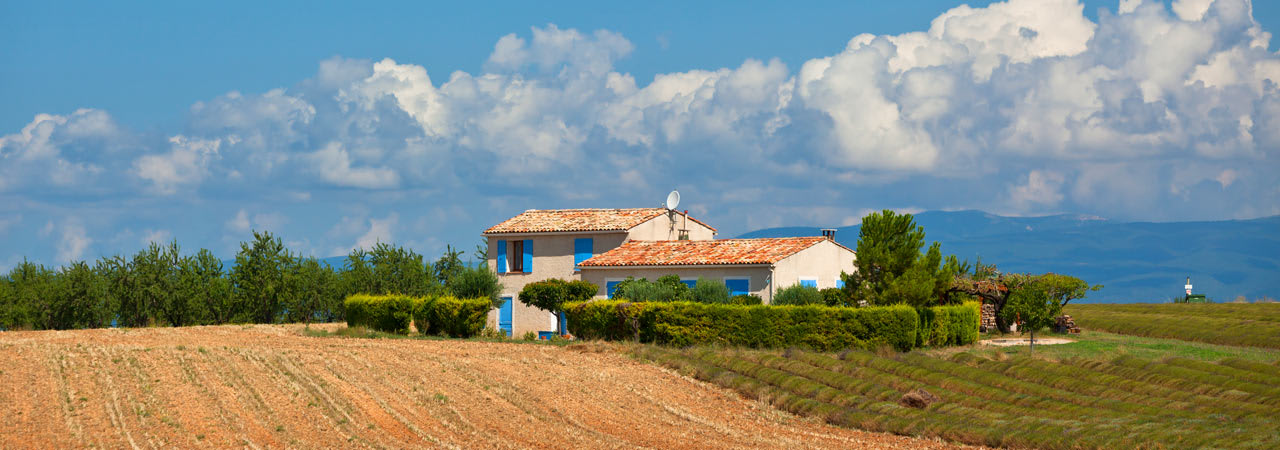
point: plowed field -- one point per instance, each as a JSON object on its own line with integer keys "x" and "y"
{"x": 273, "y": 387}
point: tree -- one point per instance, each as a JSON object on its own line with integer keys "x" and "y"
{"x": 551, "y": 294}
{"x": 998, "y": 289}
{"x": 476, "y": 282}
{"x": 1033, "y": 307}
{"x": 312, "y": 291}
{"x": 151, "y": 288}
{"x": 891, "y": 269}
{"x": 79, "y": 299}
{"x": 32, "y": 285}
{"x": 203, "y": 291}
{"x": 258, "y": 278}
{"x": 798, "y": 294}
{"x": 449, "y": 264}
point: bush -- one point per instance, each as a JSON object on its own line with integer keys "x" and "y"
{"x": 949, "y": 325}
{"x": 797, "y": 294}
{"x": 746, "y": 300}
{"x": 687, "y": 323}
{"x": 611, "y": 320}
{"x": 459, "y": 318}
{"x": 835, "y": 297}
{"x": 707, "y": 291}
{"x": 386, "y": 313}
{"x": 431, "y": 315}
{"x": 476, "y": 282}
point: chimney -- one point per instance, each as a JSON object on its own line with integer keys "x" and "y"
{"x": 829, "y": 233}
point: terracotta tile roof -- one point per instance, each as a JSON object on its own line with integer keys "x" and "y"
{"x": 712, "y": 252}
{"x": 550, "y": 220}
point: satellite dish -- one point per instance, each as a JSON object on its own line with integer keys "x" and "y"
{"x": 673, "y": 200}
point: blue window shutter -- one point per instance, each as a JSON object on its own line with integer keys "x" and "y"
{"x": 502, "y": 256}
{"x": 581, "y": 251}
{"x": 809, "y": 283}
{"x": 690, "y": 283}
{"x": 840, "y": 284}
{"x": 738, "y": 287}
{"x": 528, "y": 255}
{"x": 609, "y": 287}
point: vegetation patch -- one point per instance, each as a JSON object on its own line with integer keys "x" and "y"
{"x": 689, "y": 323}
{"x": 1123, "y": 402}
{"x": 1246, "y": 324}
{"x": 447, "y": 315}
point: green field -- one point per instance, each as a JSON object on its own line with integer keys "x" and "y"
{"x": 1241, "y": 324}
{"x": 1121, "y": 402}
{"x": 1145, "y": 376}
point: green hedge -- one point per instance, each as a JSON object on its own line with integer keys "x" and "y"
{"x": 942, "y": 326}
{"x": 431, "y": 315}
{"x": 460, "y": 318}
{"x": 386, "y": 313}
{"x": 683, "y": 323}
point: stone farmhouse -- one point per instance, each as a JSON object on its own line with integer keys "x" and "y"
{"x": 605, "y": 246}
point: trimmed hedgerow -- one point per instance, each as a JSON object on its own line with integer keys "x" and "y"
{"x": 430, "y": 315}
{"x": 686, "y": 323}
{"x": 459, "y": 318}
{"x": 386, "y": 313}
{"x": 948, "y": 325}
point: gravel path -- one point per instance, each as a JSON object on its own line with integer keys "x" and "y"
{"x": 273, "y": 387}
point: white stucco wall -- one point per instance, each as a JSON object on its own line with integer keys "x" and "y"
{"x": 758, "y": 275}
{"x": 824, "y": 261}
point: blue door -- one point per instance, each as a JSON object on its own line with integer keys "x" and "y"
{"x": 504, "y": 316}
{"x": 738, "y": 286}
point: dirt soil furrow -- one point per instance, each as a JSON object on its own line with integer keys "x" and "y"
{"x": 264, "y": 386}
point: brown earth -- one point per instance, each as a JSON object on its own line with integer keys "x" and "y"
{"x": 274, "y": 387}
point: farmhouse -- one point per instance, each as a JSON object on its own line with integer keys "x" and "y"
{"x": 605, "y": 246}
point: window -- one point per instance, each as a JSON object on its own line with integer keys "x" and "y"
{"x": 517, "y": 256}
{"x": 690, "y": 283}
{"x": 840, "y": 283}
{"x": 810, "y": 282}
{"x": 610, "y": 286}
{"x": 582, "y": 251}
{"x": 521, "y": 259}
{"x": 738, "y": 286}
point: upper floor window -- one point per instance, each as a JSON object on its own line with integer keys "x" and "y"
{"x": 515, "y": 256}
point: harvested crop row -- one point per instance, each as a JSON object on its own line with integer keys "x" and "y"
{"x": 274, "y": 387}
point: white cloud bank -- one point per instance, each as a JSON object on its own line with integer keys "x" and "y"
{"x": 1024, "y": 106}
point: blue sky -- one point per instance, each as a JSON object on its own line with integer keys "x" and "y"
{"x": 336, "y": 125}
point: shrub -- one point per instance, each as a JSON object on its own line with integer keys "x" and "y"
{"x": 431, "y": 315}
{"x": 459, "y": 318}
{"x": 667, "y": 288}
{"x": 688, "y": 323}
{"x": 386, "y": 313}
{"x": 746, "y": 300}
{"x": 835, "y": 297}
{"x": 948, "y": 325}
{"x": 605, "y": 319}
{"x": 707, "y": 291}
{"x": 798, "y": 295}
{"x": 476, "y": 282}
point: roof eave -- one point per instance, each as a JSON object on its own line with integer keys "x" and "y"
{"x": 549, "y": 233}
{"x": 678, "y": 266}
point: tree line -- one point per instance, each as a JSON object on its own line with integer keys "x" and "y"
{"x": 268, "y": 283}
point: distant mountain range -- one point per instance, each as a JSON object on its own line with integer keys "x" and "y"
{"x": 1136, "y": 262}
